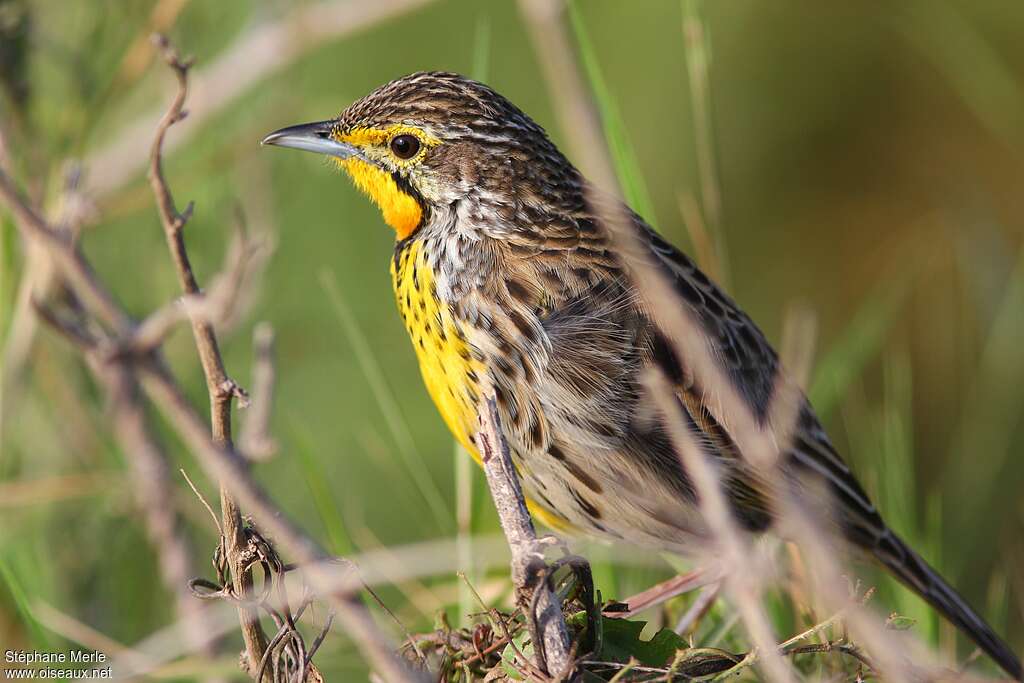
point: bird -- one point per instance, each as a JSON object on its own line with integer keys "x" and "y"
{"x": 509, "y": 280}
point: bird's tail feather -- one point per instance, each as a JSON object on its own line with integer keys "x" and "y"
{"x": 916, "y": 574}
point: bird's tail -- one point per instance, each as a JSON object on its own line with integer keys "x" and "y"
{"x": 915, "y": 573}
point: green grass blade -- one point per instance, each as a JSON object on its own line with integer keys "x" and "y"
{"x": 983, "y": 450}
{"x": 856, "y": 346}
{"x": 627, "y": 168}
{"x": 481, "y": 49}
{"x": 316, "y": 480}
{"x": 397, "y": 425}
{"x": 21, "y": 604}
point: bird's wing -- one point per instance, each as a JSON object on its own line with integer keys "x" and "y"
{"x": 752, "y": 365}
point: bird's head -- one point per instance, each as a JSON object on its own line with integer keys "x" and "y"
{"x": 424, "y": 142}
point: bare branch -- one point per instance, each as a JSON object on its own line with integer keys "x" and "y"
{"x": 68, "y": 259}
{"x": 760, "y": 442}
{"x": 153, "y": 492}
{"x": 529, "y": 571}
{"x": 220, "y": 387}
{"x": 744, "y": 585}
{"x": 220, "y": 305}
{"x": 215, "y": 453}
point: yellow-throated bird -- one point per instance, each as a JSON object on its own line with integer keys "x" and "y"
{"x": 502, "y": 271}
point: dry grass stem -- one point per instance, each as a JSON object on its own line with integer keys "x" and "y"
{"x": 256, "y": 441}
{"x": 760, "y": 442}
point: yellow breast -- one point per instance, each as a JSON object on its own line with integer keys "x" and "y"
{"x": 449, "y": 371}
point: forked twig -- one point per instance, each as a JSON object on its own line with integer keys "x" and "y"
{"x": 97, "y": 329}
{"x": 222, "y": 389}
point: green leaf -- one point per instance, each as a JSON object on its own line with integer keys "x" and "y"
{"x": 508, "y": 655}
{"x": 621, "y": 640}
{"x": 624, "y": 159}
{"x": 898, "y": 622}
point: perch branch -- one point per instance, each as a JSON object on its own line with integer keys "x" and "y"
{"x": 529, "y": 571}
{"x": 222, "y": 389}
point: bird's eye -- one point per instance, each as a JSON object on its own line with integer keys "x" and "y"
{"x": 405, "y": 146}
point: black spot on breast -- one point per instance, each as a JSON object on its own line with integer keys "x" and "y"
{"x": 502, "y": 365}
{"x": 501, "y": 397}
{"x": 528, "y": 375}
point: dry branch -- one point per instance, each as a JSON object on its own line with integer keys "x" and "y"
{"x": 529, "y": 571}
{"x": 92, "y": 302}
{"x": 256, "y": 441}
{"x": 222, "y": 389}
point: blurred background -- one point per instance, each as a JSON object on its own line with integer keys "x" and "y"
{"x": 863, "y": 161}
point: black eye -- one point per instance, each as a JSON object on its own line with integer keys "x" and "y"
{"x": 405, "y": 146}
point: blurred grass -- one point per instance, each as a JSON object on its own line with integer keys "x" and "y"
{"x": 868, "y": 164}
{"x": 627, "y": 168}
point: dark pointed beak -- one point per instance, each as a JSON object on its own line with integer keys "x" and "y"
{"x": 312, "y": 137}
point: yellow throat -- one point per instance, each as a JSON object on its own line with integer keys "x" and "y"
{"x": 401, "y": 211}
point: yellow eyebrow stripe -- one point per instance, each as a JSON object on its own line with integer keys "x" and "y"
{"x": 362, "y": 137}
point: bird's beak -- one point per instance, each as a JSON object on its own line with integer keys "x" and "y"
{"x": 312, "y": 137}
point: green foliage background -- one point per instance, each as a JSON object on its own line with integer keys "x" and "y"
{"x": 870, "y": 159}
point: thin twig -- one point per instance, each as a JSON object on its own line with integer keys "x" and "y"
{"x": 202, "y": 499}
{"x": 760, "y": 442}
{"x": 222, "y": 389}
